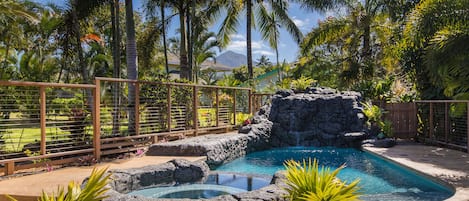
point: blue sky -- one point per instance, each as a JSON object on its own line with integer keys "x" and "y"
{"x": 288, "y": 49}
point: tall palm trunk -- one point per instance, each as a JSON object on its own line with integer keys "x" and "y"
{"x": 163, "y": 27}
{"x": 248, "y": 39}
{"x": 185, "y": 74}
{"x": 189, "y": 43}
{"x": 279, "y": 69}
{"x": 81, "y": 59}
{"x": 131, "y": 52}
{"x": 117, "y": 63}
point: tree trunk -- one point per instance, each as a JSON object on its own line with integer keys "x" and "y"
{"x": 248, "y": 39}
{"x": 132, "y": 69}
{"x": 163, "y": 30}
{"x": 189, "y": 42}
{"x": 117, "y": 63}
{"x": 81, "y": 59}
{"x": 184, "y": 71}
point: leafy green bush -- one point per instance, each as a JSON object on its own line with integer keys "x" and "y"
{"x": 374, "y": 115}
{"x": 302, "y": 83}
{"x": 306, "y": 181}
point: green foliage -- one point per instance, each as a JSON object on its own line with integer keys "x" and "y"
{"x": 240, "y": 118}
{"x": 302, "y": 83}
{"x": 386, "y": 128}
{"x": 94, "y": 190}
{"x": 435, "y": 47}
{"x": 376, "y": 89}
{"x": 306, "y": 181}
{"x": 372, "y": 112}
{"x": 375, "y": 118}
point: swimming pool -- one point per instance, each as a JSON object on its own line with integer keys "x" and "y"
{"x": 379, "y": 178}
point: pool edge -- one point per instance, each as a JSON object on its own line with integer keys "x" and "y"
{"x": 460, "y": 193}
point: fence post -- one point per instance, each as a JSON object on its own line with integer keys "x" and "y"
{"x": 467, "y": 125}
{"x": 97, "y": 120}
{"x": 234, "y": 107}
{"x": 250, "y": 101}
{"x": 196, "y": 105}
{"x": 446, "y": 122}
{"x": 137, "y": 108}
{"x": 168, "y": 101}
{"x": 217, "y": 109}
{"x": 42, "y": 91}
{"x": 431, "y": 122}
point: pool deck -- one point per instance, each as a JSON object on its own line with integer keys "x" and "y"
{"x": 29, "y": 187}
{"x": 444, "y": 165}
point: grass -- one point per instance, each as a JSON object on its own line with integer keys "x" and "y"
{"x": 16, "y": 138}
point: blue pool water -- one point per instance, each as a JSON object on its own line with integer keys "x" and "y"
{"x": 215, "y": 185}
{"x": 379, "y": 179}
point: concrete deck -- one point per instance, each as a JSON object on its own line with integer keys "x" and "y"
{"x": 446, "y": 165}
{"x": 28, "y": 187}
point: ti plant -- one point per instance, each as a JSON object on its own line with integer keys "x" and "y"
{"x": 306, "y": 181}
{"x": 94, "y": 189}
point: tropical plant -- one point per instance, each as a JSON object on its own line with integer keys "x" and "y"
{"x": 435, "y": 47}
{"x": 302, "y": 83}
{"x": 94, "y": 189}
{"x": 306, "y": 181}
{"x": 360, "y": 43}
{"x": 279, "y": 9}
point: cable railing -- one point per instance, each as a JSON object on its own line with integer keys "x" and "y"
{"x": 444, "y": 122}
{"x": 55, "y": 123}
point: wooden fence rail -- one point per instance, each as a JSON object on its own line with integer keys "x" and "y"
{"x": 55, "y": 123}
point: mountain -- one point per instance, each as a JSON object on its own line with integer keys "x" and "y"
{"x": 232, "y": 59}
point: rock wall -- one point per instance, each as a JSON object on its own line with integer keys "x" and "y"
{"x": 317, "y": 117}
{"x": 218, "y": 148}
{"x": 166, "y": 174}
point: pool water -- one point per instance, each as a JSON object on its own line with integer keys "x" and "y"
{"x": 379, "y": 178}
{"x": 215, "y": 185}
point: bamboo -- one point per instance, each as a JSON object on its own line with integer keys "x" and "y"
{"x": 42, "y": 91}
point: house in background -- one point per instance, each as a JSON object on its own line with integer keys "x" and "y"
{"x": 174, "y": 67}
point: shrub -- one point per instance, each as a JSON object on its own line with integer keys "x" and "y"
{"x": 306, "y": 181}
{"x": 302, "y": 83}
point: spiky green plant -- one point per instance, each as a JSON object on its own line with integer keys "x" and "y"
{"x": 94, "y": 189}
{"x": 302, "y": 83}
{"x": 306, "y": 181}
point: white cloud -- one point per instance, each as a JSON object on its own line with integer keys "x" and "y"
{"x": 237, "y": 37}
{"x": 302, "y": 24}
{"x": 240, "y": 45}
{"x": 263, "y": 52}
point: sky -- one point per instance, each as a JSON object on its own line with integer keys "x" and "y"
{"x": 288, "y": 49}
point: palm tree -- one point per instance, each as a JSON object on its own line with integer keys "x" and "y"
{"x": 203, "y": 49}
{"x": 234, "y": 10}
{"x": 437, "y": 33}
{"x": 348, "y": 39}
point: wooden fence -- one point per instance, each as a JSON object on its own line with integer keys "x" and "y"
{"x": 50, "y": 123}
{"x": 404, "y": 119}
